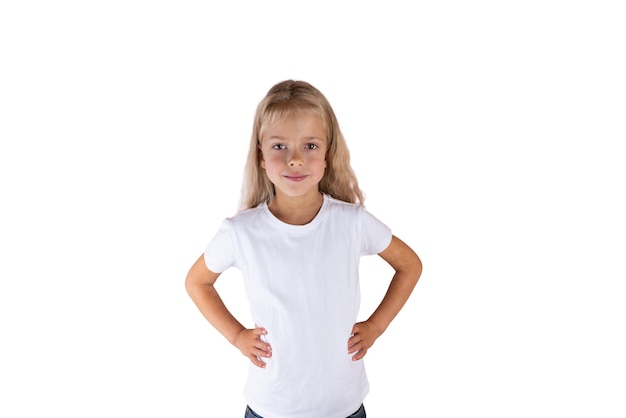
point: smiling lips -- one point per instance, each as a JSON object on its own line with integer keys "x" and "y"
{"x": 295, "y": 178}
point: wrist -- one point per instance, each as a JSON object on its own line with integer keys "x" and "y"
{"x": 377, "y": 326}
{"x": 232, "y": 336}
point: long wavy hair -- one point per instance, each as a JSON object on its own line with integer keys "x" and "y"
{"x": 283, "y": 99}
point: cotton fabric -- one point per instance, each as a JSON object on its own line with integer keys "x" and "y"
{"x": 302, "y": 283}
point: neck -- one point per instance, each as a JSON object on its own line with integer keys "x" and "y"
{"x": 296, "y": 210}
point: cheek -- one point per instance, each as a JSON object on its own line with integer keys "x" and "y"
{"x": 320, "y": 163}
{"x": 270, "y": 161}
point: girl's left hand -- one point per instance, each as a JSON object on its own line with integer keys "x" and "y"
{"x": 363, "y": 336}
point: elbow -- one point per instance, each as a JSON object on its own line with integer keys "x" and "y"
{"x": 191, "y": 283}
{"x": 414, "y": 269}
{"x": 188, "y": 285}
{"x": 418, "y": 267}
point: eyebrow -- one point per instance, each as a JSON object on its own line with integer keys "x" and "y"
{"x": 307, "y": 138}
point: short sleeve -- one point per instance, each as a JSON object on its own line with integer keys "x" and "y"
{"x": 375, "y": 236}
{"x": 220, "y": 253}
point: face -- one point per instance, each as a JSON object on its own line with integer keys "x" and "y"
{"x": 293, "y": 154}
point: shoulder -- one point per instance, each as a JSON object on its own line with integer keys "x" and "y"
{"x": 246, "y": 216}
{"x": 337, "y": 205}
{"x": 343, "y": 214}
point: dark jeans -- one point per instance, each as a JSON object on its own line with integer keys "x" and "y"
{"x": 360, "y": 413}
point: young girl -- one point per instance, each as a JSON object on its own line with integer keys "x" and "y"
{"x": 297, "y": 241}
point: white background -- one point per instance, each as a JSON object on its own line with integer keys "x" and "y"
{"x": 488, "y": 135}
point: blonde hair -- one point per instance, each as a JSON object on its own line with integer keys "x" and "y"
{"x": 281, "y": 100}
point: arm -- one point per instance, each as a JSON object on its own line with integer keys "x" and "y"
{"x": 200, "y": 287}
{"x": 408, "y": 269}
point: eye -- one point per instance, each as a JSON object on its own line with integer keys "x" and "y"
{"x": 278, "y": 146}
{"x": 311, "y": 146}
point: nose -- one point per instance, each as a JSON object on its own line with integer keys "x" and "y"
{"x": 295, "y": 159}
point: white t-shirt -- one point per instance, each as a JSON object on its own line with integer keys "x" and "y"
{"x": 302, "y": 282}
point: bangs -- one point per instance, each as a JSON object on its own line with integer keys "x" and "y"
{"x": 280, "y": 111}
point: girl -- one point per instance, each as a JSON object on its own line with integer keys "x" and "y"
{"x": 297, "y": 241}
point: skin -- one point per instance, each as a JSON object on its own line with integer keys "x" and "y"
{"x": 293, "y": 157}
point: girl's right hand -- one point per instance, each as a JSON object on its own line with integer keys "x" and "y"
{"x": 249, "y": 342}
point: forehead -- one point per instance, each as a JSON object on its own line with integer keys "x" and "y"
{"x": 307, "y": 123}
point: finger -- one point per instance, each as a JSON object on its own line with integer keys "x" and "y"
{"x": 357, "y": 347}
{"x": 262, "y": 345}
{"x": 257, "y": 361}
{"x": 359, "y": 355}
{"x": 355, "y": 339}
{"x": 260, "y": 331}
{"x": 258, "y": 352}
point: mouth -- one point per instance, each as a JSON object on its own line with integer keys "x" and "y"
{"x": 295, "y": 178}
